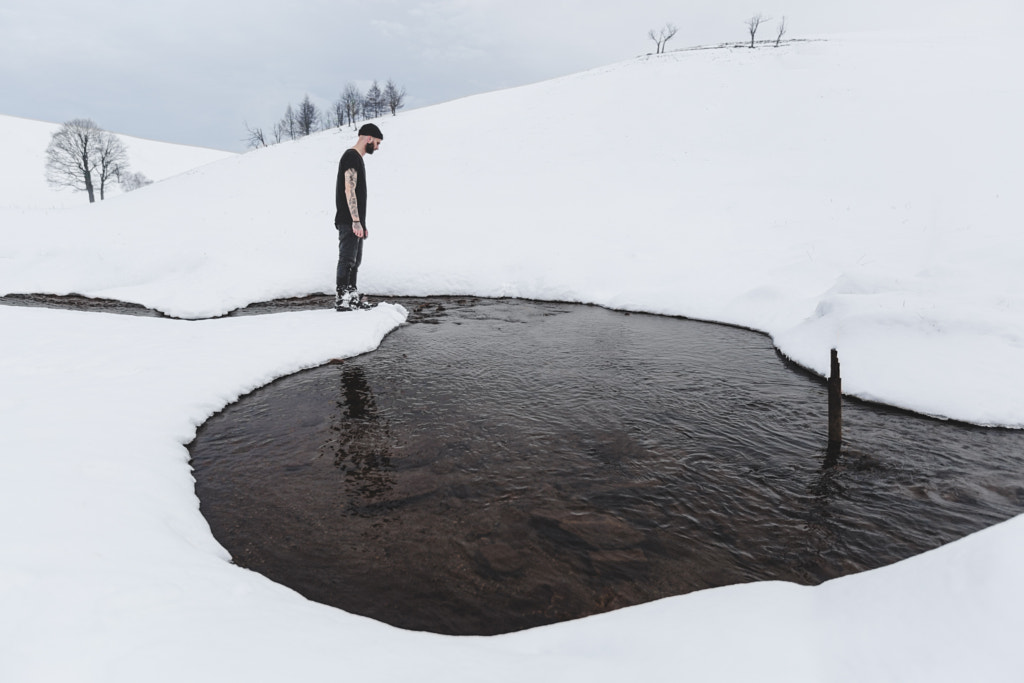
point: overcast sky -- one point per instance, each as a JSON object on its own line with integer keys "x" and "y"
{"x": 196, "y": 71}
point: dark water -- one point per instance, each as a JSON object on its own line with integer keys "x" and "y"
{"x": 497, "y": 465}
{"x": 77, "y": 302}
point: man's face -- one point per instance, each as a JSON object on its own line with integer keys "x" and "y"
{"x": 373, "y": 145}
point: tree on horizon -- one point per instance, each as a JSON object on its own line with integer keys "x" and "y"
{"x": 352, "y": 102}
{"x": 374, "y": 104}
{"x": 350, "y": 106}
{"x": 661, "y": 37}
{"x": 754, "y": 23}
{"x": 306, "y": 118}
{"x": 394, "y": 97}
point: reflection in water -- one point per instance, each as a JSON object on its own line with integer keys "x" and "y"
{"x": 361, "y": 447}
{"x": 522, "y": 463}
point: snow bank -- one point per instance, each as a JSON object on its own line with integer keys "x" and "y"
{"x": 108, "y": 572}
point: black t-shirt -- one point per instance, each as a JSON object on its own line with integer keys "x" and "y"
{"x": 350, "y": 159}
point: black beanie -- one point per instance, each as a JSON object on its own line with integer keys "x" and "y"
{"x": 372, "y": 130}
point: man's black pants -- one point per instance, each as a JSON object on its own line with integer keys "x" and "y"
{"x": 350, "y": 255}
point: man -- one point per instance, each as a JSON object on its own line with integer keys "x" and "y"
{"x": 350, "y": 219}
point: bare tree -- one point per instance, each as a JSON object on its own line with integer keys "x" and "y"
{"x": 133, "y": 181}
{"x": 71, "y": 156}
{"x": 662, "y": 37}
{"x": 306, "y": 118}
{"x": 394, "y": 97}
{"x": 336, "y": 114}
{"x": 287, "y": 126}
{"x": 80, "y": 154}
{"x": 754, "y": 23}
{"x": 254, "y": 137}
{"x": 111, "y": 159}
{"x": 781, "y": 32}
{"x": 352, "y": 101}
{"x": 279, "y": 132}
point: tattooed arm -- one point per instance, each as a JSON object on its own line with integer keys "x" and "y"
{"x": 351, "y": 175}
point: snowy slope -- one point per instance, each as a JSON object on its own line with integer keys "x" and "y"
{"x": 859, "y": 192}
{"x": 24, "y": 142}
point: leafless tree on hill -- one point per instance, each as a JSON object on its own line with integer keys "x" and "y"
{"x": 754, "y": 23}
{"x": 781, "y": 32}
{"x": 254, "y": 137}
{"x": 661, "y": 37}
{"x": 81, "y": 153}
{"x": 111, "y": 159}
{"x": 352, "y": 102}
{"x": 286, "y": 127}
{"x": 70, "y": 159}
{"x": 335, "y": 116}
{"x": 394, "y": 97}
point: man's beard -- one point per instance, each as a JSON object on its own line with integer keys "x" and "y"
{"x": 371, "y": 148}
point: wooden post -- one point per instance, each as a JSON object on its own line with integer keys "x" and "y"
{"x": 835, "y": 406}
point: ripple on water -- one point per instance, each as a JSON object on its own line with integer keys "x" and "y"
{"x": 519, "y": 463}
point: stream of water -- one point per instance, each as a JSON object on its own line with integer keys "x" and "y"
{"x": 500, "y": 464}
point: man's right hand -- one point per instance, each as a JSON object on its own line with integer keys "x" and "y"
{"x": 358, "y": 230}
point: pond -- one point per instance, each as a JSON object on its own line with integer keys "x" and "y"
{"x": 503, "y": 464}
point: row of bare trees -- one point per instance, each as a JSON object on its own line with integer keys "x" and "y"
{"x": 754, "y": 23}
{"x": 661, "y": 37}
{"x": 668, "y": 31}
{"x": 86, "y": 158}
{"x": 352, "y": 106}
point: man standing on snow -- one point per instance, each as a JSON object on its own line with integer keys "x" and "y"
{"x": 350, "y": 219}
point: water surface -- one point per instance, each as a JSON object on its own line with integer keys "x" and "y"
{"x": 497, "y": 465}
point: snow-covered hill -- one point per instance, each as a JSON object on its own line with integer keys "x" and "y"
{"x": 860, "y": 192}
{"x": 24, "y": 142}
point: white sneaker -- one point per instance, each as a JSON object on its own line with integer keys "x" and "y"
{"x": 359, "y": 300}
{"x": 343, "y": 301}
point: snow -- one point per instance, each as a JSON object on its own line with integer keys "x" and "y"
{"x": 860, "y": 192}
